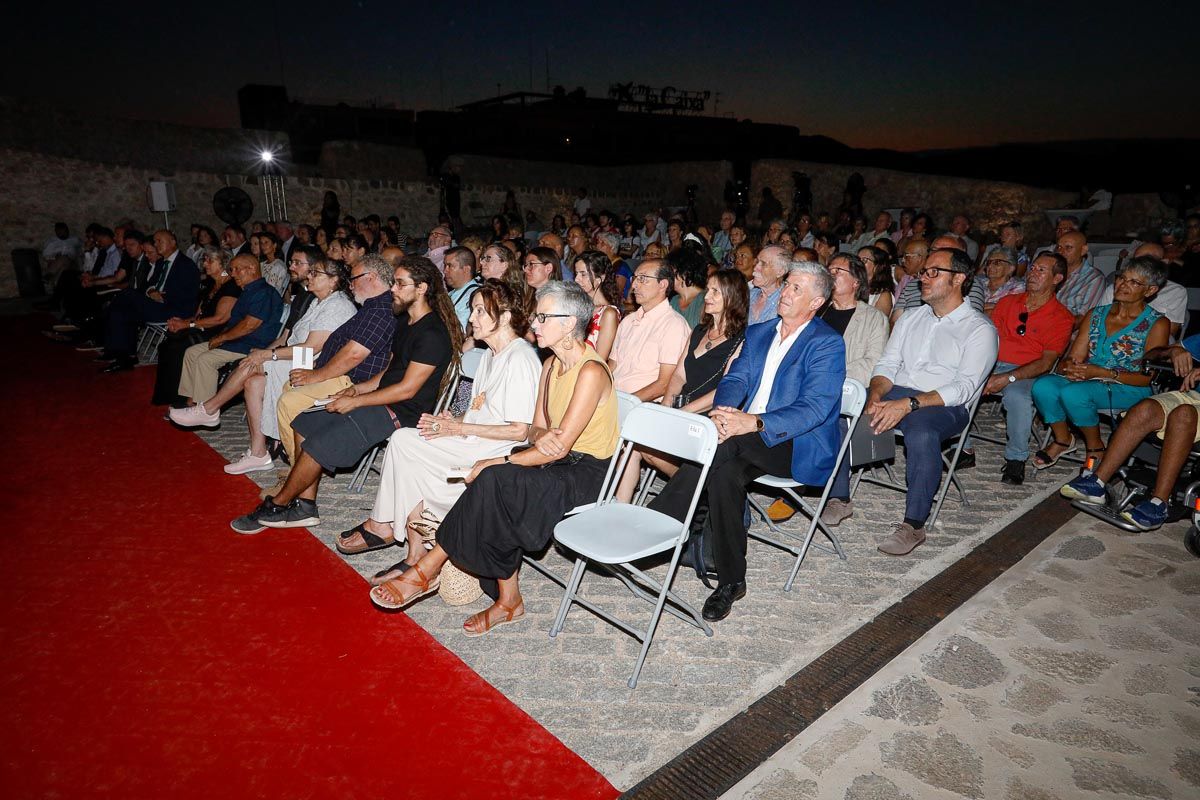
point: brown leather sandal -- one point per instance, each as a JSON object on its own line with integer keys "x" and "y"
{"x": 384, "y": 594}
{"x": 511, "y": 617}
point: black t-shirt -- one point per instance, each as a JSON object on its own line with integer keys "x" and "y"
{"x": 838, "y": 319}
{"x": 425, "y": 342}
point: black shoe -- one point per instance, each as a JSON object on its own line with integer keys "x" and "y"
{"x": 966, "y": 460}
{"x": 1013, "y": 472}
{"x": 720, "y": 602}
{"x": 299, "y": 513}
{"x": 119, "y": 365}
{"x": 253, "y": 522}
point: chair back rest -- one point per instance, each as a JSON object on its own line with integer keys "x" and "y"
{"x": 682, "y": 434}
{"x": 470, "y": 363}
{"x": 626, "y": 402}
{"x": 854, "y": 397}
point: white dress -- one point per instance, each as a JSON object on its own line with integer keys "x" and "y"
{"x": 322, "y": 315}
{"x": 414, "y": 469}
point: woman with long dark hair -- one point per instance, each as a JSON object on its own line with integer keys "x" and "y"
{"x": 595, "y": 274}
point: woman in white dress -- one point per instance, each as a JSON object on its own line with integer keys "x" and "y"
{"x": 419, "y": 460}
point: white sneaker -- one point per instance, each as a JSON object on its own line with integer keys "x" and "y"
{"x": 194, "y": 417}
{"x": 249, "y": 463}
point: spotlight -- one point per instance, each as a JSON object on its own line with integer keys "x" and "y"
{"x": 267, "y": 156}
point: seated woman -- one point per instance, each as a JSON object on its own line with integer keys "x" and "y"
{"x": 595, "y": 274}
{"x": 263, "y": 374}
{"x": 715, "y": 343}
{"x": 1000, "y": 266}
{"x": 1103, "y": 367}
{"x": 881, "y": 287}
{"x": 418, "y": 459}
{"x": 513, "y": 503}
{"x": 216, "y": 302}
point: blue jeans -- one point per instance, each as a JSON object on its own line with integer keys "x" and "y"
{"x": 1017, "y": 399}
{"x": 924, "y": 431}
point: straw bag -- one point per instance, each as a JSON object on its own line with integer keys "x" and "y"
{"x": 458, "y": 588}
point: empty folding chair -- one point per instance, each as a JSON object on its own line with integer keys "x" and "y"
{"x": 950, "y": 454}
{"x": 854, "y": 397}
{"x": 613, "y": 535}
{"x": 152, "y": 336}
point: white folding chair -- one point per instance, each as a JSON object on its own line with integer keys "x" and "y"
{"x": 625, "y": 403}
{"x": 467, "y": 369}
{"x": 950, "y": 462}
{"x": 151, "y": 337}
{"x": 613, "y": 535}
{"x": 854, "y": 397}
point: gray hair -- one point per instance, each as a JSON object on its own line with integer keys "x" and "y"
{"x": 209, "y": 252}
{"x": 610, "y": 239}
{"x": 570, "y": 298}
{"x": 822, "y": 280}
{"x": 782, "y": 257}
{"x": 383, "y": 269}
{"x": 1149, "y": 267}
{"x": 1009, "y": 254}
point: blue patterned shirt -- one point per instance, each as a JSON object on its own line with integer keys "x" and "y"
{"x": 372, "y": 327}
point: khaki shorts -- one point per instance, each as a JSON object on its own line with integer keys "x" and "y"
{"x": 1173, "y": 400}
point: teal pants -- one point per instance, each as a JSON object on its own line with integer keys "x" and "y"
{"x": 1059, "y": 399}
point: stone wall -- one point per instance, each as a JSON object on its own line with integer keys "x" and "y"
{"x": 989, "y": 203}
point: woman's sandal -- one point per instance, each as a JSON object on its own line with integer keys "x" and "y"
{"x": 390, "y": 590}
{"x": 390, "y": 573}
{"x": 1042, "y": 459}
{"x": 370, "y": 541}
{"x": 426, "y": 527}
{"x": 510, "y": 617}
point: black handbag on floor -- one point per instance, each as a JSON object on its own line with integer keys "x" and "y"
{"x": 698, "y": 551}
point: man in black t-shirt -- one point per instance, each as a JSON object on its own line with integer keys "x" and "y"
{"x": 427, "y": 341}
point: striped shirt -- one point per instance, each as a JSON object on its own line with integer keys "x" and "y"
{"x": 372, "y": 327}
{"x": 1082, "y": 290}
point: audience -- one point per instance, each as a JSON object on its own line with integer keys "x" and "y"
{"x": 880, "y": 284}
{"x": 770, "y": 269}
{"x": 1082, "y": 289}
{"x": 459, "y": 264}
{"x": 594, "y": 274}
{"x": 650, "y": 340}
{"x": 1000, "y": 268}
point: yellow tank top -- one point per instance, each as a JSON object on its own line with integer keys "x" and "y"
{"x": 599, "y": 438}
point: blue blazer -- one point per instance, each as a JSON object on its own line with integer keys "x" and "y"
{"x": 806, "y": 397}
{"x": 182, "y": 290}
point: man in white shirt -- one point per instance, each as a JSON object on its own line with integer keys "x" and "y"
{"x": 287, "y": 235}
{"x": 582, "y": 204}
{"x": 932, "y": 368}
{"x": 438, "y": 242}
{"x": 883, "y": 224}
{"x": 63, "y": 245}
{"x": 233, "y": 239}
{"x": 959, "y": 226}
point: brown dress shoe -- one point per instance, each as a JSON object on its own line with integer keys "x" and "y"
{"x": 904, "y": 539}
{"x": 780, "y": 511}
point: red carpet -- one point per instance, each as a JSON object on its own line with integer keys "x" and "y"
{"x": 146, "y": 650}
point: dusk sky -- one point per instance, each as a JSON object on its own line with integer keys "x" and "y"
{"x": 908, "y": 76}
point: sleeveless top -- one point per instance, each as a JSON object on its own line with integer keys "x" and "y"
{"x": 705, "y": 371}
{"x": 1125, "y": 348}
{"x": 594, "y": 330}
{"x": 599, "y": 437}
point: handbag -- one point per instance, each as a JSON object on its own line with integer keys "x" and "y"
{"x": 683, "y": 398}
{"x": 698, "y": 552}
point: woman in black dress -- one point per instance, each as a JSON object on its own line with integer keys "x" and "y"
{"x": 218, "y": 295}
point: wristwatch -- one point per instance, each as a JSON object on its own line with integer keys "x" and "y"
{"x": 192, "y": 324}
{"x": 759, "y": 425}
{"x": 913, "y": 404}
{"x": 1012, "y": 378}
{"x": 274, "y": 354}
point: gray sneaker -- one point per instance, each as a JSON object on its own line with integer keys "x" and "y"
{"x": 253, "y": 522}
{"x": 904, "y": 539}
{"x": 836, "y": 512}
{"x": 299, "y": 513}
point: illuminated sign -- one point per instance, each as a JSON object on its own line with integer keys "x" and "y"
{"x": 639, "y": 97}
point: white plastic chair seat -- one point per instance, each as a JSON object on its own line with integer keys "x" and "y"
{"x": 630, "y": 533}
{"x": 775, "y": 482}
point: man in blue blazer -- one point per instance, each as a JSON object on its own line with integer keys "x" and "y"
{"x": 173, "y": 292}
{"x": 777, "y": 414}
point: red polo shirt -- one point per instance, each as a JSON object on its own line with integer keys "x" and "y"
{"x": 1048, "y": 328}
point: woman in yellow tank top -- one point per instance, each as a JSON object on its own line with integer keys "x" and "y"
{"x": 512, "y": 504}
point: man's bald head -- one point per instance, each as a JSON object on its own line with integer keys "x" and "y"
{"x": 553, "y": 241}
{"x": 948, "y": 242}
{"x": 246, "y": 260}
{"x": 1152, "y": 249}
{"x": 915, "y": 253}
{"x": 392, "y": 254}
{"x": 245, "y": 269}
{"x": 1072, "y": 245}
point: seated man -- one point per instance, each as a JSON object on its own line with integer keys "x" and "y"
{"x": 1173, "y": 415}
{"x": 176, "y": 285}
{"x": 911, "y": 297}
{"x": 1034, "y": 329}
{"x": 776, "y": 413}
{"x": 252, "y": 324}
{"x": 428, "y": 339}
{"x": 649, "y": 341}
{"x": 932, "y": 368}
{"x": 1084, "y": 286}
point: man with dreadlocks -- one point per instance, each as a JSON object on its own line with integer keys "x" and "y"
{"x": 425, "y": 351}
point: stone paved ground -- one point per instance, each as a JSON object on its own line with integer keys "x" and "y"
{"x": 1075, "y": 674}
{"x": 574, "y": 685}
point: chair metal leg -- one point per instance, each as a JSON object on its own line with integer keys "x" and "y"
{"x": 568, "y": 596}
{"x": 359, "y": 480}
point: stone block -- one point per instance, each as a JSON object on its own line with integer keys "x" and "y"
{"x": 1078, "y": 733}
{"x": 944, "y": 761}
{"x": 833, "y": 746}
{"x": 1031, "y": 696}
{"x": 874, "y": 787}
{"x": 1075, "y": 666}
{"x": 963, "y": 662}
{"x": 1096, "y": 775}
{"x": 910, "y": 701}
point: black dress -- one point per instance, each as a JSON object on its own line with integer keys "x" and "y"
{"x": 170, "y": 352}
{"x": 705, "y": 372}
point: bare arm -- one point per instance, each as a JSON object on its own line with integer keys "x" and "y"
{"x": 350, "y": 356}
{"x": 658, "y": 388}
{"x": 608, "y": 332}
{"x": 220, "y": 316}
{"x": 245, "y": 325}
{"x": 414, "y": 378}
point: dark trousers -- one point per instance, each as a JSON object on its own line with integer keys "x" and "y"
{"x": 924, "y": 431}
{"x": 170, "y": 366}
{"x": 737, "y": 462}
{"x": 127, "y": 312}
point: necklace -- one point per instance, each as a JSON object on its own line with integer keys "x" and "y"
{"x": 710, "y": 342}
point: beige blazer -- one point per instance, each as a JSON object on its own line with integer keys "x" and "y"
{"x": 865, "y": 337}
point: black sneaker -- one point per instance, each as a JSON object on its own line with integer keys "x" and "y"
{"x": 966, "y": 460}
{"x": 1013, "y": 472}
{"x": 299, "y": 513}
{"x": 254, "y": 522}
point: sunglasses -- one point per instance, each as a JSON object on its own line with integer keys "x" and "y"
{"x": 1022, "y": 318}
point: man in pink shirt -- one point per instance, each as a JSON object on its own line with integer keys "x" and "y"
{"x": 649, "y": 341}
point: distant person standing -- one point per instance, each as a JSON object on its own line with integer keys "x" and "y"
{"x": 769, "y": 208}
{"x": 582, "y": 204}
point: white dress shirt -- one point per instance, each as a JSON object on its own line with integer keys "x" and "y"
{"x": 951, "y": 355}
{"x": 111, "y": 261}
{"x": 779, "y": 349}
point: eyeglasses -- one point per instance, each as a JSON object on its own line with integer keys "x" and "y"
{"x": 835, "y": 270}
{"x": 991, "y": 261}
{"x": 907, "y": 256}
{"x": 932, "y": 272}
{"x": 541, "y": 318}
{"x": 353, "y": 278}
{"x": 1131, "y": 281}
{"x": 1022, "y": 318}
{"x": 643, "y": 278}
{"x": 532, "y": 263}
{"x": 297, "y": 262}
{"x": 406, "y": 283}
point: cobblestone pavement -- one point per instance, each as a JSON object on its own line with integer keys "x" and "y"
{"x": 1075, "y": 674}
{"x": 574, "y": 685}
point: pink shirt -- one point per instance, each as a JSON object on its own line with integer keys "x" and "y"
{"x": 644, "y": 341}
